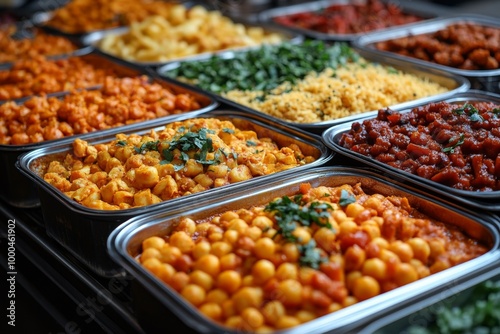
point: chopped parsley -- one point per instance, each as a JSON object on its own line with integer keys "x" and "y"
{"x": 469, "y": 110}
{"x": 458, "y": 141}
{"x": 346, "y": 198}
{"x": 289, "y": 213}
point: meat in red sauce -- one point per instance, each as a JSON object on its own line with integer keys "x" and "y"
{"x": 457, "y": 145}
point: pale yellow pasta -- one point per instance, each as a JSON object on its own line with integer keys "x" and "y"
{"x": 185, "y": 32}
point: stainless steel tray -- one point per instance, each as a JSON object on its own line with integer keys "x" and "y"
{"x": 18, "y": 191}
{"x": 454, "y": 83}
{"x": 153, "y": 299}
{"x": 83, "y": 231}
{"x": 93, "y": 40}
{"x": 424, "y": 10}
{"x": 483, "y": 200}
{"x": 488, "y": 80}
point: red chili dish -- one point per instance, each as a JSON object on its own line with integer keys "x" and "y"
{"x": 457, "y": 145}
{"x": 350, "y": 18}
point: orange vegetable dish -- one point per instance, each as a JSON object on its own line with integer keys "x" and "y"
{"x": 41, "y": 44}
{"x": 39, "y": 75}
{"x": 260, "y": 269}
{"x": 120, "y": 101}
{"x": 186, "y": 157}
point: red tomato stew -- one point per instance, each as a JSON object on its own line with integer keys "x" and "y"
{"x": 457, "y": 145}
{"x": 350, "y": 18}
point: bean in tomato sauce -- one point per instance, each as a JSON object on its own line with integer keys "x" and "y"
{"x": 457, "y": 145}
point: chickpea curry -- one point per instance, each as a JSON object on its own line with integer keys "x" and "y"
{"x": 184, "y": 158}
{"x": 297, "y": 258}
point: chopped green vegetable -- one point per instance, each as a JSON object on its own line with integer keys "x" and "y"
{"x": 265, "y": 68}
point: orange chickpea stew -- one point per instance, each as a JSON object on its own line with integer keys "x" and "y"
{"x": 297, "y": 258}
{"x": 185, "y": 157}
{"x": 120, "y": 101}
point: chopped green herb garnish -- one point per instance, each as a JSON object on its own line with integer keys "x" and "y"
{"x": 458, "y": 141}
{"x": 121, "y": 143}
{"x": 147, "y": 146}
{"x": 346, "y": 198}
{"x": 469, "y": 110}
{"x": 227, "y": 130}
{"x": 310, "y": 255}
{"x": 251, "y": 143}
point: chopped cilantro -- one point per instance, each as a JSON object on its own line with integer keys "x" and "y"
{"x": 346, "y": 198}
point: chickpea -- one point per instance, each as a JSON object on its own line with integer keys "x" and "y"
{"x": 287, "y": 270}
{"x": 182, "y": 241}
{"x": 347, "y": 227}
{"x": 170, "y": 254}
{"x": 375, "y": 268}
{"x": 354, "y": 209}
{"x": 421, "y": 249}
{"x": 153, "y": 242}
{"x": 238, "y": 225}
{"x": 152, "y": 264}
{"x": 287, "y": 321}
{"x": 234, "y": 321}
{"x": 216, "y": 296}
{"x": 291, "y": 252}
{"x": 439, "y": 265}
{"x": 187, "y": 225}
{"x": 355, "y": 257}
{"x": 348, "y": 301}
{"x": 202, "y": 279}
{"x": 228, "y": 308}
{"x": 365, "y": 287}
{"x": 290, "y": 292}
{"x": 334, "y": 307}
{"x": 402, "y": 250}
{"x": 211, "y": 310}
{"x": 200, "y": 249}
{"x": 325, "y": 239}
{"x": 254, "y": 233}
{"x": 179, "y": 280}
{"x": 229, "y": 281}
{"x": 262, "y": 271}
{"x": 228, "y": 216}
{"x": 221, "y": 248}
{"x": 230, "y": 261}
{"x": 302, "y": 234}
{"x": 262, "y": 222}
{"x": 239, "y": 173}
{"x": 305, "y": 316}
{"x": 273, "y": 311}
{"x": 248, "y": 280}
{"x": 247, "y": 297}
{"x": 194, "y": 294}
{"x": 405, "y": 273}
{"x": 264, "y": 248}
{"x": 422, "y": 270}
{"x": 252, "y": 317}
{"x": 150, "y": 253}
{"x": 208, "y": 263}
{"x": 231, "y": 236}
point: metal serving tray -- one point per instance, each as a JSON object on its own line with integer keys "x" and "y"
{"x": 93, "y": 40}
{"x": 424, "y": 10}
{"x": 160, "y": 308}
{"x": 488, "y": 80}
{"x": 454, "y": 83}
{"x": 18, "y": 191}
{"x": 83, "y": 231}
{"x": 483, "y": 200}
{"x": 421, "y": 313}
